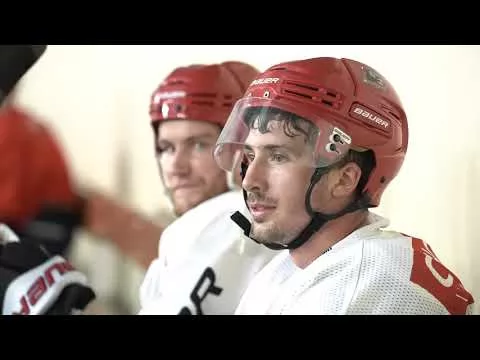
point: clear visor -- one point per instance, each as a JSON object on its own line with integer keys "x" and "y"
{"x": 263, "y": 126}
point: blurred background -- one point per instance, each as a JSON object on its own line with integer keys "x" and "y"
{"x": 95, "y": 100}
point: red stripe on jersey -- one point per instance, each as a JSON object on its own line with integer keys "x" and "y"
{"x": 429, "y": 273}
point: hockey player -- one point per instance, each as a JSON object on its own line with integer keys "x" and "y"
{"x": 37, "y": 197}
{"x": 321, "y": 139}
{"x": 35, "y": 279}
{"x": 39, "y": 202}
{"x": 204, "y": 264}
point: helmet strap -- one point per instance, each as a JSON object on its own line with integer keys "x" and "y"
{"x": 318, "y": 220}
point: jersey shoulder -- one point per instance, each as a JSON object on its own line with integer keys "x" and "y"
{"x": 405, "y": 272}
{"x": 430, "y": 274}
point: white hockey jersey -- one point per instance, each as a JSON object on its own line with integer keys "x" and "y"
{"x": 204, "y": 262}
{"x": 371, "y": 271}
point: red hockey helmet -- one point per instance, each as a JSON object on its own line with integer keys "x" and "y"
{"x": 349, "y": 103}
{"x": 201, "y": 92}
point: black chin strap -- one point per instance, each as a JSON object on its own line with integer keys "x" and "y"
{"x": 318, "y": 220}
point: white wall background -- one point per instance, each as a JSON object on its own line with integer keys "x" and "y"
{"x": 96, "y": 98}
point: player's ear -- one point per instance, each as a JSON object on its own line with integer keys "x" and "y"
{"x": 344, "y": 180}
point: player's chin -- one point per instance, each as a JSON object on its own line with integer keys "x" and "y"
{"x": 263, "y": 232}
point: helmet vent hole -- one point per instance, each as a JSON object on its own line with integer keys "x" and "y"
{"x": 207, "y": 103}
{"x": 298, "y": 94}
{"x": 390, "y": 111}
{"x": 308, "y": 87}
{"x": 332, "y": 94}
{"x": 227, "y": 104}
{"x": 176, "y": 82}
{"x": 326, "y": 102}
{"x": 394, "y": 115}
{"x": 208, "y": 95}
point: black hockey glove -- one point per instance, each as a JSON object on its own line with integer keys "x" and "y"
{"x": 34, "y": 283}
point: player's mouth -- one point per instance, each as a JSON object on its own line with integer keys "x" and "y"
{"x": 260, "y": 212}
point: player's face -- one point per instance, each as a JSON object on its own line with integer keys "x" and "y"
{"x": 276, "y": 182}
{"x": 184, "y": 152}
